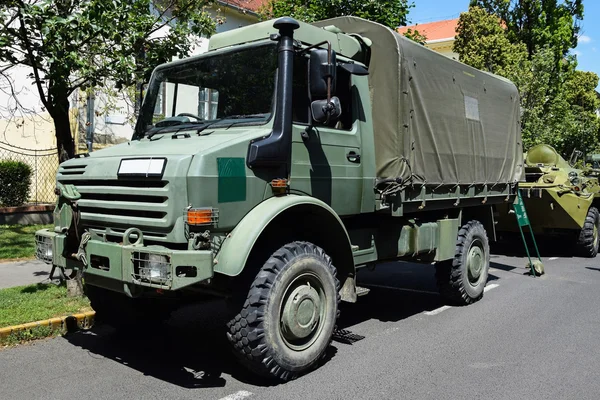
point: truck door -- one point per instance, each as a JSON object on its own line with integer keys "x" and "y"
{"x": 326, "y": 160}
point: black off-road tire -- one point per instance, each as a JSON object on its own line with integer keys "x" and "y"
{"x": 125, "y": 314}
{"x": 588, "y": 240}
{"x": 258, "y": 334}
{"x": 458, "y": 284}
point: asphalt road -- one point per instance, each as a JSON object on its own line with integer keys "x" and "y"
{"x": 21, "y": 273}
{"x": 528, "y": 338}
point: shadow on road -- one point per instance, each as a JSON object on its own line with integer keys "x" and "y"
{"x": 513, "y": 246}
{"x": 191, "y": 350}
{"x": 397, "y": 291}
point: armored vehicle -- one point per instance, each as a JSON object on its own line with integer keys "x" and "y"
{"x": 273, "y": 167}
{"x": 560, "y": 201}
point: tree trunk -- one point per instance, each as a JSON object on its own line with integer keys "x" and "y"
{"x": 75, "y": 286}
{"x": 64, "y": 140}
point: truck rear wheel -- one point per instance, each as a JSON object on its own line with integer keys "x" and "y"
{"x": 125, "y": 314}
{"x": 587, "y": 243}
{"x": 461, "y": 281}
{"x": 288, "y": 318}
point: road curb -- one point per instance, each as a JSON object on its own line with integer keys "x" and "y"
{"x": 69, "y": 322}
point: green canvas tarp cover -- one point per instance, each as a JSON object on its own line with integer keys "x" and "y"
{"x": 437, "y": 121}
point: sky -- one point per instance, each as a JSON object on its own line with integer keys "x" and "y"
{"x": 587, "y": 51}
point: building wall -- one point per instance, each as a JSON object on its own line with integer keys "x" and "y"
{"x": 443, "y": 47}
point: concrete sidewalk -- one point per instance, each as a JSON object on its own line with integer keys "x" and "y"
{"x": 23, "y": 273}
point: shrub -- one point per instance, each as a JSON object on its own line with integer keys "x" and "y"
{"x": 15, "y": 180}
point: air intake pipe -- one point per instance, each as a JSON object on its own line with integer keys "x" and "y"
{"x": 275, "y": 150}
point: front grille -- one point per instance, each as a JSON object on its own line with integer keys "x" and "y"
{"x": 110, "y": 204}
{"x": 72, "y": 169}
{"x": 120, "y": 204}
{"x": 122, "y": 183}
{"x": 124, "y": 197}
{"x": 123, "y": 212}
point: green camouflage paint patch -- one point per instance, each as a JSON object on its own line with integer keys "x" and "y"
{"x": 232, "y": 179}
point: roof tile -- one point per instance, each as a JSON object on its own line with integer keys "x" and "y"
{"x": 434, "y": 30}
{"x": 250, "y": 5}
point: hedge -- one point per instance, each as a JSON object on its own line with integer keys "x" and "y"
{"x": 15, "y": 180}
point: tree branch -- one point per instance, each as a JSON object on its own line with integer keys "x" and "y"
{"x": 36, "y": 73}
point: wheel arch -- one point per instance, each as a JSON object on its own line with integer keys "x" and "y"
{"x": 278, "y": 221}
{"x": 484, "y": 215}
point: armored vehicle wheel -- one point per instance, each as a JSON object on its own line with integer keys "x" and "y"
{"x": 461, "y": 281}
{"x": 125, "y": 314}
{"x": 588, "y": 240}
{"x": 289, "y": 316}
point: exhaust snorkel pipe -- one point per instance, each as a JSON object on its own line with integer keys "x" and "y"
{"x": 275, "y": 150}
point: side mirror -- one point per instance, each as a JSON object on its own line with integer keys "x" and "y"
{"x": 322, "y": 73}
{"x": 324, "y": 111}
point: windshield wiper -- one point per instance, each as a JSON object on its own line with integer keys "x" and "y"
{"x": 174, "y": 129}
{"x": 248, "y": 116}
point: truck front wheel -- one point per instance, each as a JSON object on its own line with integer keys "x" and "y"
{"x": 587, "y": 243}
{"x": 461, "y": 281}
{"x": 288, "y": 318}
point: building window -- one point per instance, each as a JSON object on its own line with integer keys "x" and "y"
{"x": 159, "y": 106}
{"x": 208, "y": 103}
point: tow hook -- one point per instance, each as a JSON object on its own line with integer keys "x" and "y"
{"x": 81, "y": 255}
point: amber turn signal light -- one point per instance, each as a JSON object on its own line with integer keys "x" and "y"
{"x": 202, "y": 216}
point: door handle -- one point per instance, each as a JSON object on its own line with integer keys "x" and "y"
{"x": 353, "y": 157}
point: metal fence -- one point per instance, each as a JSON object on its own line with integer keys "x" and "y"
{"x": 44, "y": 164}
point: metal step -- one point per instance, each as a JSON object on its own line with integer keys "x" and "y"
{"x": 362, "y": 291}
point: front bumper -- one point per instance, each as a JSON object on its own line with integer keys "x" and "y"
{"x": 111, "y": 264}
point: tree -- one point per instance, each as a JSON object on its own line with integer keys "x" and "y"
{"x": 483, "y": 43}
{"x": 391, "y": 13}
{"x": 540, "y": 23}
{"x": 558, "y": 105}
{"x": 415, "y": 36}
{"x": 77, "y": 44}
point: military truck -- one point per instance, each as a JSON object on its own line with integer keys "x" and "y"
{"x": 561, "y": 201}
{"x": 272, "y": 168}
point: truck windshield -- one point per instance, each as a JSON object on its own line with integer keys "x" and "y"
{"x": 233, "y": 87}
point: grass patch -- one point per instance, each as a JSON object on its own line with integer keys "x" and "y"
{"x": 38, "y": 332}
{"x": 18, "y": 241}
{"x": 23, "y": 304}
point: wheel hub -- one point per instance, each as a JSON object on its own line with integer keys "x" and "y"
{"x": 301, "y": 313}
{"x": 475, "y": 262}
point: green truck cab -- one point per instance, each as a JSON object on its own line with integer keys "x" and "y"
{"x": 273, "y": 167}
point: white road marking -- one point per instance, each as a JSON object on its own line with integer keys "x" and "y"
{"x": 444, "y": 308}
{"x": 553, "y": 258}
{"x": 400, "y": 289}
{"x": 490, "y": 287}
{"x": 242, "y": 394}
{"x": 438, "y": 310}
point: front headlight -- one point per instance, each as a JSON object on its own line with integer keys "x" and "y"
{"x": 153, "y": 268}
{"x": 43, "y": 248}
